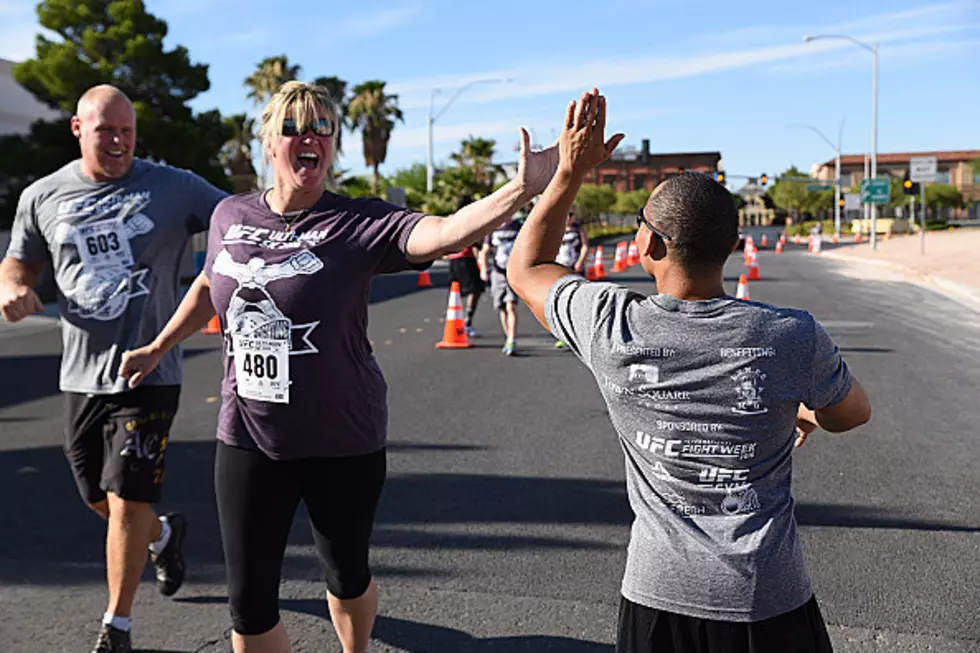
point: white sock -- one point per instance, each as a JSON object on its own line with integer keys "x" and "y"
{"x": 157, "y": 547}
{"x": 119, "y": 623}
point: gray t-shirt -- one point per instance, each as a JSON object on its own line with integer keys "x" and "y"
{"x": 704, "y": 397}
{"x": 115, "y": 248}
{"x": 301, "y": 380}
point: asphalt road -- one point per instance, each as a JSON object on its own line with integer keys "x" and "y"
{"x": 504, "y": 520}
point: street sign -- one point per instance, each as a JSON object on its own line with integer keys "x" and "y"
{"x": 812, "y": 187}
{"x": 922, "y": 168}
{"x": 852, "y": 201}
{"x": 875, "y": 191}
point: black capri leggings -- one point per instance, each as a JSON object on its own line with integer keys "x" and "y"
{"x": 257, "y": 498}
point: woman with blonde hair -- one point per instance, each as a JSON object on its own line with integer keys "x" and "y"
{"x": 304, "y": 411}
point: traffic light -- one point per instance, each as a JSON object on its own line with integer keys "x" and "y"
{"x": 720, "y": 177}
{"x": 909, "y": 187}
{"x": 763, "y": 179}
{"x": 841, "y": 202}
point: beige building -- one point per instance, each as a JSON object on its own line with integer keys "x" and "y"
{"x": 18, "y": 108}
{"x": 754, "y": 213}
{"x": 953, "y": 168}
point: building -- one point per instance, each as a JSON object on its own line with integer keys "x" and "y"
{"x": 632, "y": 169}
{"x": 755, "y": 213}
{"x": 18, "y": 108}
{"x": 953, "y": 168}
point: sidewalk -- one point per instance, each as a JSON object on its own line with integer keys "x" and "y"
{"x": 950, "y": 265}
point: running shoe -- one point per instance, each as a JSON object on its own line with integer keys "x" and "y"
{"x": 169, "y": 563}
{"x": 113, "y": 640}
{"x": 560, "y": 344}
{"x": 509, "y": 347}
{"x": 472, "y": 333}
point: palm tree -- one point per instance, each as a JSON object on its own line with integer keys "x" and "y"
{"x": 375, "y": 114}
{"x": 269, "y": 75}
{"x": 236, "y": 153}
{"x": 477, "y": 154}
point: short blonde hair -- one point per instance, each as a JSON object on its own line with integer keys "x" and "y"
{"x": 300, "y": 101}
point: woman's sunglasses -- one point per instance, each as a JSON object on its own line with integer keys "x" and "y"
{"x": 641, "y": 220}
{"x": 320, "y": 127}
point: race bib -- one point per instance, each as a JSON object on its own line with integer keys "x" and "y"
{"x": 104, "y": 244}
{"x": 262, "y": 368}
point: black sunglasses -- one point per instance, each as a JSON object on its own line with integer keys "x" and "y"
{"x": 641, "y": 220}
{"x": 320, "y": 127}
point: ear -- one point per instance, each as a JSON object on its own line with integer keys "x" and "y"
{"x": 76, "y": 126}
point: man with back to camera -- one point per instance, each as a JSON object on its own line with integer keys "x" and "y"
{"x": 708, "y": 395}
{"x": 115, "y": 229}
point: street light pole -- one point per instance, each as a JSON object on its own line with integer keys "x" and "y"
{"x": 429, "y": 169}
{"x": 873, "y": 49}
{"x": 837, "y": 181}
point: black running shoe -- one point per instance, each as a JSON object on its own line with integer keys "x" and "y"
{"x": 112, "y": 640}
{"x": 169, "y": 563}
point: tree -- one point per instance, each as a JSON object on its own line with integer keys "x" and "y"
{"x": 23, "y": 159}
{"x": 412, "y": 179}
{"x": 630, "y": 201}
{"x": 269, "y": 75}
{"x": 236, "y": 153}
{"x": 374, "y": 112}
{"x": 739, "y": 201}
{"x": 115, "y": 42}
{"x": 790, "y": 195}
{"x": 943, "y": 196}
{"x": 592, "y": 201}
{"x": 477, "y": 154}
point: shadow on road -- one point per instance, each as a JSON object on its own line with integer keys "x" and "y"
{"x": 426, "y": 638}
{"x": 851, "y": 516}
{"x": 55, "y": 539}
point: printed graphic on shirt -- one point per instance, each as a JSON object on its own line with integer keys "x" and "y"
{"x": 680, "y": 505}
{"x": 748, "y": 352}
{"x": 260, "y": 337}
{"x": 680, "y": 448}
{"x": 740, "y": 498}
{"x": 740, "y": 502}
{"x": 101, "y": 232}
{"x": 644, "y": 374}
{"x": 242, "y": 234}
{"x": 643, "y": 352}
{"x": 749, "y": 389}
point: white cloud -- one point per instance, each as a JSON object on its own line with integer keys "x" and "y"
{"x": 899, "y": 54}
{"x": 378, "y": 22}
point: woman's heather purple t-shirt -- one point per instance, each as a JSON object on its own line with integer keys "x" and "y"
{"x": 300, "y": 378}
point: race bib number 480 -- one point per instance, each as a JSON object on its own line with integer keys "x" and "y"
{"x": 103, "y": 244}
{"x": 262, "y": 368}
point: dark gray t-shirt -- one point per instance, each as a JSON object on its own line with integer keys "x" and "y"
{"x": 115, "y": 249}
{"x": 704, "y": 397}
{"x": 300, "y": 379}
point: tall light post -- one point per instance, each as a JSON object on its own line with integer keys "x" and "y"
{"x": 429, "y": 170}
{"x": 836, "y": 148}
{"x": 873, "y": 49}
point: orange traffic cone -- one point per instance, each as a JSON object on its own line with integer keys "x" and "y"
{"x": 857, "y": 237}
{"x": 454, "y": 334}
{"x": 619, "y": 263}
{"x": 743, "y": 288}
{"x": 425, "y": 281}
{"x": 213, "y": 326}
{"x": 765, "y": 241}
{"x": 779, "y": 247}
{"x": 590, "y": 266}
{"x": 600, "y": 265}
{"x": 754, "y": 268}
{"x": 633, "y": 255}
{"x": 796, "y": 239}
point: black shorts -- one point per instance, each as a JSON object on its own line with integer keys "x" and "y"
{"x": 117, "y": 443}
{"x": 646, "y": 630}
{"x": 467, "y": 273}
{"x": 257, "y": 498}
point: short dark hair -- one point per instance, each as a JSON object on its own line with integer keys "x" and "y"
{"x": 699, "y": 215}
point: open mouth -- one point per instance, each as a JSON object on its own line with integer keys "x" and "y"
{"x": 308, "y": 160}
{"x": 116, "y": 154}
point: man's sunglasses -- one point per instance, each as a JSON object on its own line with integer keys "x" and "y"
{"x": 320, "y": 127}
{"x": 641, "y": 220}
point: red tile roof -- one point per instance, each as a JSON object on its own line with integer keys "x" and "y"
{"x": 949, "y": 156}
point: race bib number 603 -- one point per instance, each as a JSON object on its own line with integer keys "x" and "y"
{"x": 262, "y": 368}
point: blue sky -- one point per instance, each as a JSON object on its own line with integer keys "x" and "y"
{"x": 689, "y": 75}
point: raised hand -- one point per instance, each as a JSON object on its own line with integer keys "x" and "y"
{"x": 535, "y": 169}
{"x": 138, "y": 363}
{"x": 582, "y": 145}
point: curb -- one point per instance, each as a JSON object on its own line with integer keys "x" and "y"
{"x": 965, "y": 295}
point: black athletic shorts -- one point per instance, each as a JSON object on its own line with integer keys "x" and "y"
{"x": 646, "y": 630}
{"x": 467, "y": 273}
{"x": 117, "y": 443}
{"x": 257, "y": 498}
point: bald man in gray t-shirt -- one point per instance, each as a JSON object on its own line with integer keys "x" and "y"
{"x": 114, "y": 229}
